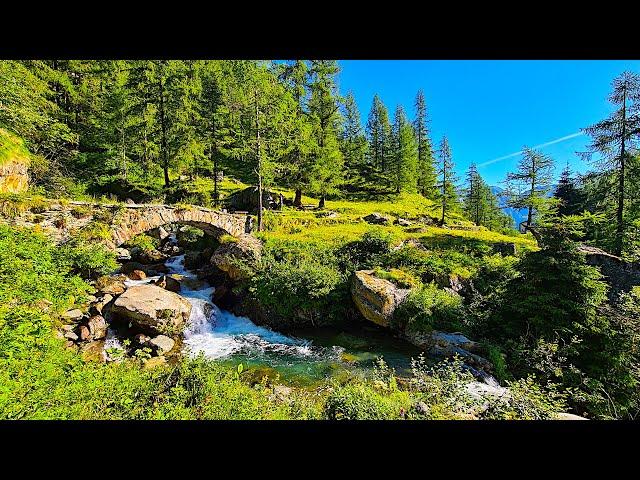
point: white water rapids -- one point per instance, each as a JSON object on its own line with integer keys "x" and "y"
{"x": 218, "y": 333}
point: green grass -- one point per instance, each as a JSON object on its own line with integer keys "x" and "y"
{"x": 41, "y": 379}
{"x": 349, "y": 226}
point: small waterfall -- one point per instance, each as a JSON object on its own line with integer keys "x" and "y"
{"x": 218, "y": 333}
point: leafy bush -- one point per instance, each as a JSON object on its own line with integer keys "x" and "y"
{"x": 399, "y": 277}
{"x": 367, "y": 252}
{"x": 444, "y": 387}
{"x": 89, "y": 260}
{"x": 527, "y": 400}
{"x": 144, "y": 242}
{"x": 299, "y": 288}
{"x": 430, "y": 266}
{"x": 430, "y": 308}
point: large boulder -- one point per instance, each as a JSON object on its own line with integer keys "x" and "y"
{"x": 168, "y": 283}
{"x": 504, "y": 248}
{"x": 376, "y": 219}
{"x": 153, "y": 309}
{"x": 239, "y": 257}
{"x": 376, "y": 298}
{"x": 111, "y": 284}
{"x": 148, "y": 257}
{"x": 247, "y": 200}
{"x": 621, "y": 275}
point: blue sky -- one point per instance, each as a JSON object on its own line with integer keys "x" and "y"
{"x": 490, "y": 109}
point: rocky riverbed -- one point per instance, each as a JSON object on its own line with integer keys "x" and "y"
{"x": 157, "y": 309}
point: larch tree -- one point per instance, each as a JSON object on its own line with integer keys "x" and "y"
{"x": 118, "y": 106}
{"x": 354, "y": 142}
{"x": 269, "y": 111}
{"x": 405, "y": 153}
{"x": 298, "y": 166}
{"x": 379, "y": 135}
{"x": 447, "y": 194}
{"x": 427, "y": 177}
{"x": 324, "y": 110}
{"x": 533, "y": 182}
{"x": 614, "y": 140}
{"x": 214, "y": 117}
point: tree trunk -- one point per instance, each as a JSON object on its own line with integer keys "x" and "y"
{"x": 259, "y": 167}
{"x": 214, "y": 158}
{"x": 532, "y": 191}
{"x": 163, "y": 124}
{"x": 620, "y": 209}
{"x": 297, "y": 201}
{"x": 321, "y": 203}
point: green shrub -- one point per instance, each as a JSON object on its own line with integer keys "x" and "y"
{"x": 144, "y": 242}
{"x": 399, "y": 277}
{"x": 90, "y": 260}
{"x": 430, "y": 308}
{"x": 527, "y": 400}
{"x": 367, "y": 252}
{"x": 299, "y": 288}
{"x": 362, "y": 401}
{"x": 430, "y": 266}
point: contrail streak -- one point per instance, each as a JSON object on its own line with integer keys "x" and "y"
{"x": 542, "y": 145}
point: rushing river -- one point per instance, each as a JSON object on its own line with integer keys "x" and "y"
{"x": 305, "y": 357}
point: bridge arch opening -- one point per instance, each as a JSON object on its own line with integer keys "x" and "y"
{"x": 137, "y": 221}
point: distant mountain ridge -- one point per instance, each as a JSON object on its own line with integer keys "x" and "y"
{"x": 518, "y": 214}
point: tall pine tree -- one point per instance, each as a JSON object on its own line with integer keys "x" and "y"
{"x": 405, "y": 158}
{"x": 354, "y": 142}
{"x": 324, "y": 110}
{"x": 613, "y": 139}
{"x": 447, "y": 194}
{"x": 427, "y": 177}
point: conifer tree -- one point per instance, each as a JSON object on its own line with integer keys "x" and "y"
{"x": 354, "y": 143}
{"x": 427, "y": 177}
{"x": 298, "y": 166}
{"x": 614, "y": 139}
{"x": 447, "y": 191}
{"x": 405, "y": 158}
{"x": 533, "y": 180}
{"x": 567, "y": 193}
{"x": 213, "y": 113}
{"x": 475, "y": 195}
{"x": 324, "y": 110}
{"x": 379, "y": 134}
{"x": 268, "y": 111}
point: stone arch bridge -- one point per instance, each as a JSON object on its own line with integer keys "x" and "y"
{"x": 62, "y": 219}
{"x": 137, "y": 219}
